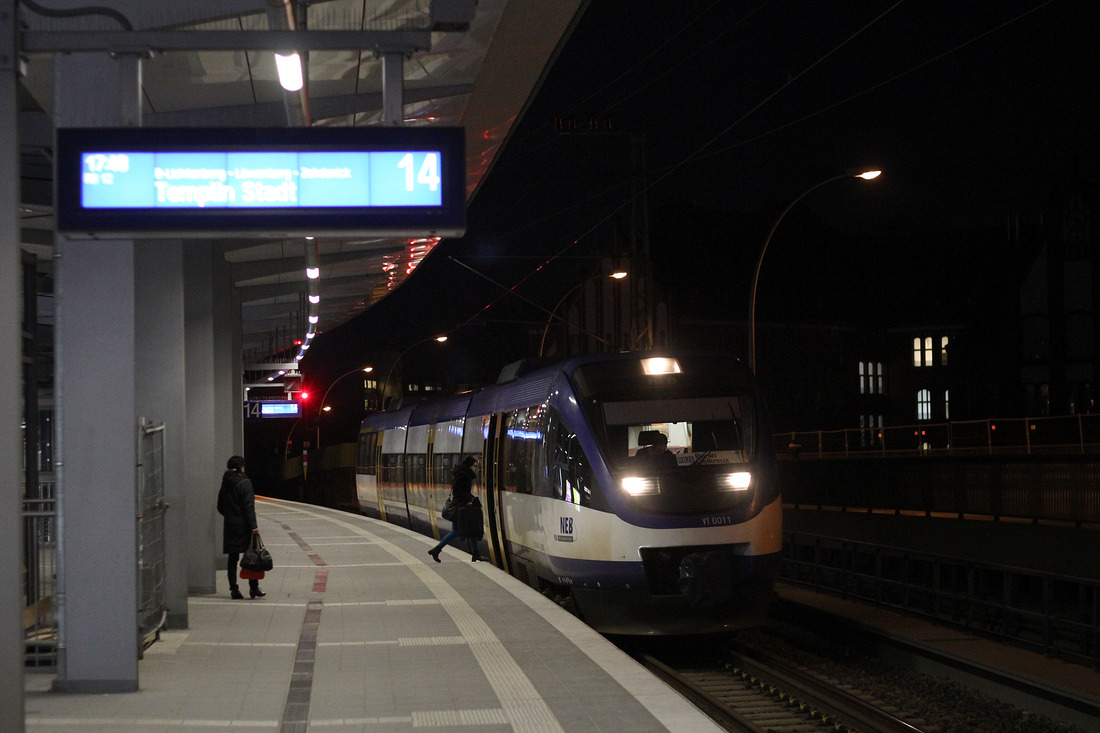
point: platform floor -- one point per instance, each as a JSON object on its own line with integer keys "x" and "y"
{"x": 361, "y": 631}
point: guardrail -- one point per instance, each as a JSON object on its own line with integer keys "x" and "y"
{"x": 1031, "y": 435}
{"x": 40, "y": 578}
{"x": 1052, "y": 614}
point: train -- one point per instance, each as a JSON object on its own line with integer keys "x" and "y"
{"x": 572, "y": 503}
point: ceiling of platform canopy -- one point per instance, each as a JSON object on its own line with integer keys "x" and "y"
{"x": 468, "y": 63}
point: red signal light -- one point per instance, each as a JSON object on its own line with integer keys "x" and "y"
{"x": 303, "y": 396}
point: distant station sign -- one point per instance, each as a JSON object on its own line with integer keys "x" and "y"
{"x": 187, "y": 182}
{"x": 259, "y": 409}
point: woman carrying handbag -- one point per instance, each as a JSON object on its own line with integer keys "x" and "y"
{"x": 237, "y": 504}
{"x": 461, "y": 498}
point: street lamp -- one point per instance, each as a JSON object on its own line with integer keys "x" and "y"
{"x": 386, "y": 382}
{"x": 617, "y": 275}
{"x": 325, "y": 408}
{"x": 865, "y": 175}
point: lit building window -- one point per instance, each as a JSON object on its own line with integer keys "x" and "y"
{"x": 943, "y": 351}
{"x": 924, "y": 405}
{"x": 870, "y": 378}
{"x": 922, "y": 351}
{"x": 946, "y": 404}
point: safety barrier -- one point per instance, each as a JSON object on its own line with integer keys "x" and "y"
{"x": 1032, "y": 435}
{"x": 1055, "y": 615}
{"x": 40, "y": 578}
{"x": 153, "y": 609}
{"x": 1038, "y": 488}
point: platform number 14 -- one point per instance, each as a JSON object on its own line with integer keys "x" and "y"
{"x": 428, "y": 174}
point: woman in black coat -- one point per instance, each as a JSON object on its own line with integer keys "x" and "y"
{"x": 462, "y": 493}
{"x": 237, "y": 504}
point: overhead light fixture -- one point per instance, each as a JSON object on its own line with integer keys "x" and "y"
{"x": 314, "y": 319}
{"x": 313, "y": 272}
{"x": 315, "y": 299}
{"x": 619, "y": 275}
{"x": 869, "y": 175}
{"x": 289, "y": 67}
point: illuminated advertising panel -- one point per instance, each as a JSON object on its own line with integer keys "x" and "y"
{"x": 182, "y": 182}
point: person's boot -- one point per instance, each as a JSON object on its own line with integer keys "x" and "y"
{"x": 435, "y": 555}
{"x": 235, "y": 593}
{"x": 254, "y": 589}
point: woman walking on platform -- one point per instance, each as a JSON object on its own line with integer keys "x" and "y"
{"x": 461, "y": 496}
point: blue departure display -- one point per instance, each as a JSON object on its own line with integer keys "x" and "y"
{"x": 190, "y": 183}
{"x": 136, "y": 180}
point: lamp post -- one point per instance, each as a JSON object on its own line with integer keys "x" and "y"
{"x": 865, "y": 175}
{"x": 617, "y": 275}
{"x": 386, "y": 382}
{"x": 321, "y": 407}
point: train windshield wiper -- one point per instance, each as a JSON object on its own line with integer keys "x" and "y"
{"x": 702, "y": 457}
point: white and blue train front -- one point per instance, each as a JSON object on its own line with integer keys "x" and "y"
{"x": 687, "y": 543}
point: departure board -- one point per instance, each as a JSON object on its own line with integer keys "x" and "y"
{"x": 187, "y": 182}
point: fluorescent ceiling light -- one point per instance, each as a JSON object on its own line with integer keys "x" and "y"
{"x": 289, "y": 67}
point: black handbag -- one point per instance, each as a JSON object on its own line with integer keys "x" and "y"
{"x": 256, "y": 557}
{"x": 450, "y": 510}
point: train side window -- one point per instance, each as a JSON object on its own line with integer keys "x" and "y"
{"x": 523, "y": 432}
{"x": 443, "y": 469}
{"x": 366, "y": 460}
{"x": 568, "y": 472}
{"x": 417, "y": 474}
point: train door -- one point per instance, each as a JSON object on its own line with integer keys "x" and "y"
{"x": 494, "y": 510}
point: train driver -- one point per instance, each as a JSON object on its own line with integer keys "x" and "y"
{"x": 656, "y": 453}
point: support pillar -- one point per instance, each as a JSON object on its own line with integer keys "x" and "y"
{"x": 205, "y": 453}
{"x": 11, "y": 393}
{"x": 161, "y": 397}
{"x": 96, "y": 417}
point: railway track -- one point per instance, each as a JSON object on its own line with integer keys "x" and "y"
{"x": 756, "y": 695}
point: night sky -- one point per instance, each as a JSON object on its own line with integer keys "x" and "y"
{"x": 975, "y": 109}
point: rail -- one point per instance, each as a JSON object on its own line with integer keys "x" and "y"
{"x": 152, "y": 506}
{"x": 40, "y": 578}
{"x": 1032, "y": 435}
{"x": 1052, "y": 614}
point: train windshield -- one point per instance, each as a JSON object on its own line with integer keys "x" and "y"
{"x": 701, "y": 412}
{"x": 679, "y": 432}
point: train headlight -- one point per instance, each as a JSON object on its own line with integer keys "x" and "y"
{"x": 640, "y": 485}
{"x": 738, "y": 481}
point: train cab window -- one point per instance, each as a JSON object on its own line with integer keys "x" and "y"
{"x": 711, "y": 430}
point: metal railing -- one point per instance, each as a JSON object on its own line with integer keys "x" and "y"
{"x": 40, "y": 578}
{"x": 1030, "y": 435}
{"x": 153, "y": 611}
{"x": 1055, "y": 615}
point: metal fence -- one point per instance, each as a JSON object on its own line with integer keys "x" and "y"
{"x": 1031, "y": 435}
{"x": 153, "y": 611}
{"x": 1056, "y": 615}
{"x": 40, "y": 578}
